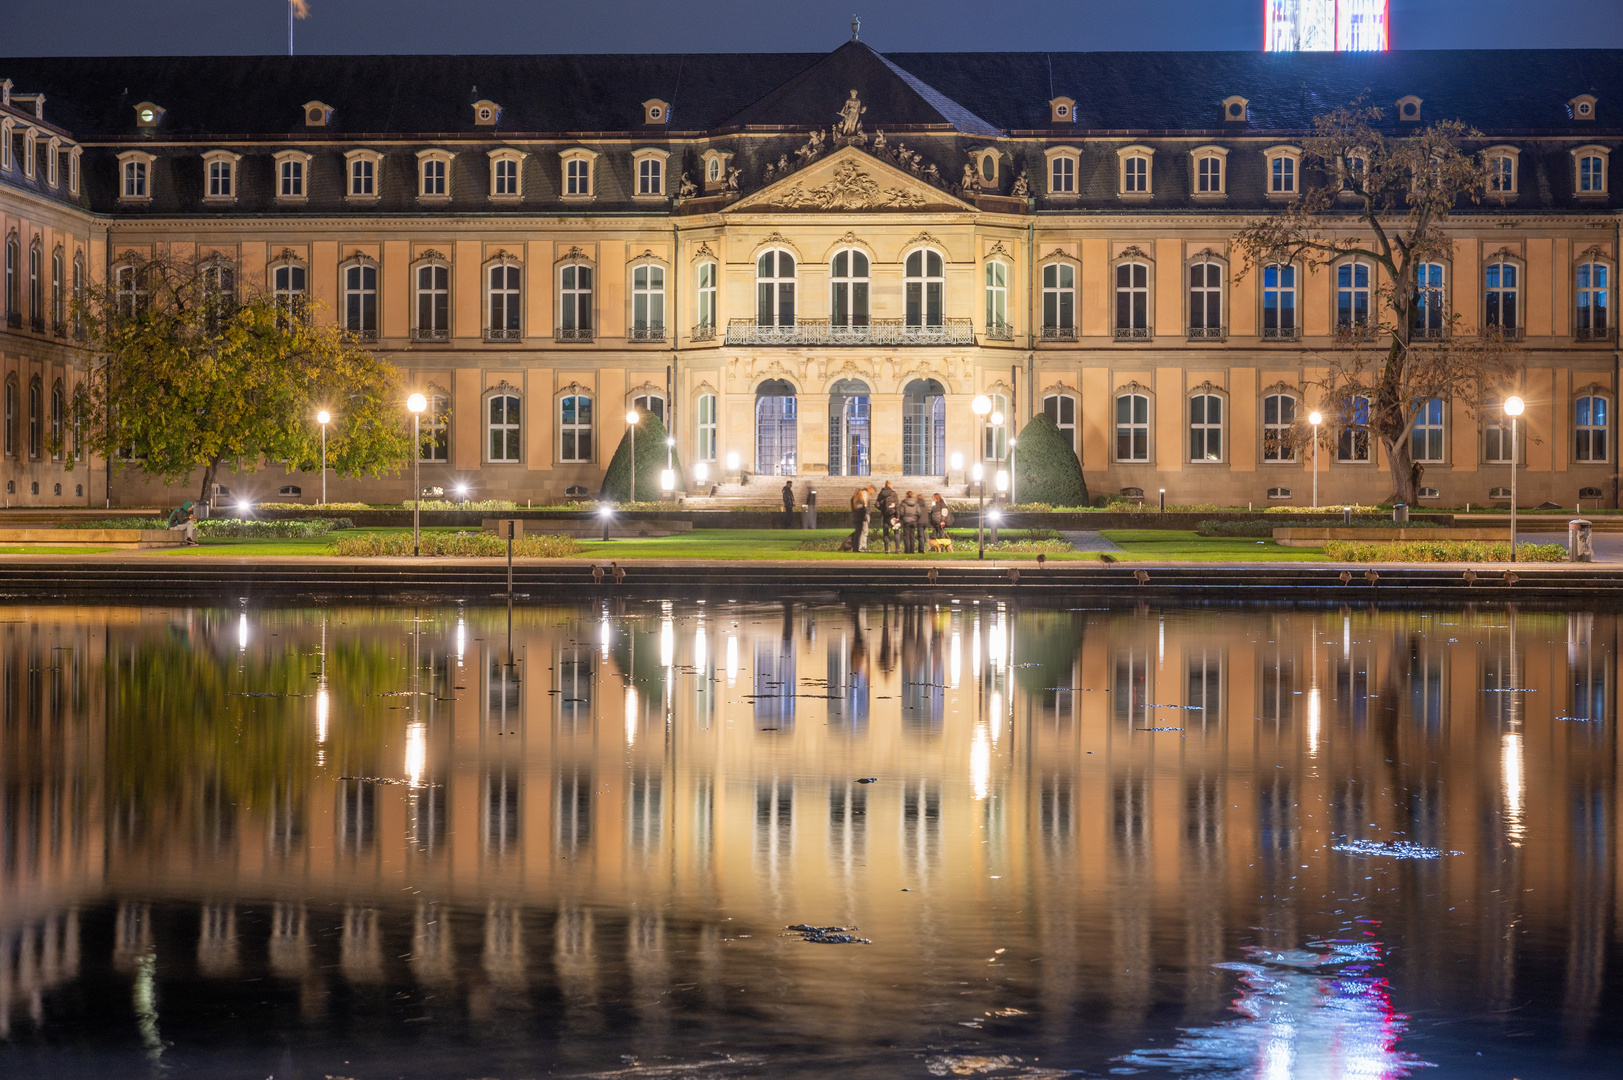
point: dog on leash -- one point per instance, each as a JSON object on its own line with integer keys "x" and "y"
{"x": 939, "y": 543}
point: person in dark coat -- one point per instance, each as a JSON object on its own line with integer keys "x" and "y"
{"x": 788, "y": 504}
{"x": 859, "y": 520}
{"x": 889, "y": 505}
{"x": 940, "y": 518}
{"x": 911, "y": 514}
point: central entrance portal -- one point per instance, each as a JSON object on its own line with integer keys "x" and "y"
{"x": 776, "y": 444}
{"x": 924, "y": 428}
{"x": 848, "y": 428}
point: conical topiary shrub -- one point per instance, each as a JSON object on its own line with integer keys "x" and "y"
{"x": 1045, "y": 466}
{"x": 650, "y": 463}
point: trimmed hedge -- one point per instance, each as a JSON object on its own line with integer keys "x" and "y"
{"x": 650, "y": 463}
{"x": 1266, "y": 528}
{"x": 1441, "y": 551}
{"x": 1045, "y": 466}
{"x": 481, "y": 544}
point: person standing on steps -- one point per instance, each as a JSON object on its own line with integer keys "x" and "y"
{"x": 788, "y": 504}
{"x": 889, "y": 504}
{"x": 910, "y": 512}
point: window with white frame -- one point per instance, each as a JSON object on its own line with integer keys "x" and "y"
{"x": 705, "y": 288}
{"x": 1132, "y": 427}
{"x": 575, "y": 428}
{"x": 504, "y": 428}
{"x": 1062, "y": 170}
{"x": 712, "y": 171}
{"x": 997, "y": 301}
{"x": 36, "y": 417}
{"x": 1279, "y": 427}
{"x": 1589, "y": 174}
{"x": 705, "y": 429}
{"x": 433, "y": 174}
{"x": 58, "y": 408}
{"x": 220, "y": 175}
{"x": 1430, "y": 319}
{"x": 363, "y": 174}
{"x": 848, "y": 288}
{"x": 1059, "y": 301}
{"x": 36, "y": 292}
{"x": 1426, "y": 438}
{"x": 1284, "y": 162}
{"x": 53, "y": 150}
{"x": 1061, "y": 408}
{"x": 219, "y": 278}
{"x": 1135, "y": 169}
{"x": 58, "y": 303}
{"x": 30, "y": 144}
{"x": 1205, "y": 300}
{"x": 1205, "y": 427}
{"x": 1592, "y": 295}
{"x": 648, "y": 302}
{"x": 134, "y": 168}
{"x": 1353, "y": 281}
{"x": 73, "y": 170}
{"x": 504, "y": 177}
{"x": 11, "y": 416}
{"x": 1132, "y": 300}
{"x": 1496, "y": 446}
{"x": 1500, "y": 285}
{"x": 650, "y": 176}
{"x": 5, "y": 144}
{"x": 290, "y": 175}
{"x": 1209, "y": 169}
{"x": 925, "y": 285}
{"x": 649, "y": 405}
{"x": 995, "y": 437}
{"x": 1352, "y": 444}
{"x": 577, "y": 173}
{"x": 361, "y": 300}
{"x": 14, "y": 306}
{"x": 433, "y": 302}
{"x": 287, "y": 290}
{"x": 505, "y": 282}
{"x": 775, "y": 288}
{"x": 1279, "y": 301}
{"x": 1501, "y": 162}
{"x": 575, "y": 302}
{"x": 1589, "y": 425}
{"x": 434, "y": 443}
{"x": 129, "y": 288}
{"x": 78, "y": 294}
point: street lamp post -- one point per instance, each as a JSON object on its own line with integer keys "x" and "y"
{"x": 1315, "y": 418}
{"x": 323, "y": 418}
{"x": 981, "y": 406}
{"x": 1012, "y": 467}
{"x": 1513, "y": 408}
{"x": 416, "y": 403}
{"x": 631, "y": 422}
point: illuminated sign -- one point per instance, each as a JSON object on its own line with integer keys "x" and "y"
{"x": 1324, "y": 26}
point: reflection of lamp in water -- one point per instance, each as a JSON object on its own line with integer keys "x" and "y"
{"x": 957, "y": 658}
{"x": 461, "y": 641}
{"x": 631, "y": 716}
{"x": 1313, "y": 721}
{"x": 980, "y": 764}
{"x": 1510, "y": 763}
{"x": 242, "y": 631}
{"x": 732, "y": 659}
{"x": 416, "y": 752}
{"x": 667, "y": 642}
{"x": 321, "y": 716}
{"x": 699, "y": 649}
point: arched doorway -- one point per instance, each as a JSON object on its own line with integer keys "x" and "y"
{"x": 848, "y": 428}
{"x": 776, "y": 446}
{"x": 924, "y": 428}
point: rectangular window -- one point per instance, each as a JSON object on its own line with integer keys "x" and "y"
{"x": 1133, "y": 427}
{"x": 1059, "y": 300}
{"x": 361, "y": 177}
{"x": 1496, "y": 443}
{"x": 1061, "y": 408}
{"x": 287, "y": 290}
{"x": 1278, "y": 428}
{"x": 433, "y": 177}
{"x": 997, "y": 299}
{"x": 1502, "y": 174}
{"x": 1428, "y": 301}
{"x": 506, "y": 176}
{"x": 435, "y": 430}
{"x": 1282, "y": 176}
{"x": 504, "y": 428}
{"x": 1205, "y": 428}
{"x": 648, "y": 303}
{"x": 575, "y": 428}
{"x": 73, "y": 173}
{"x": 575, "y": 303}
{"x": 1592, "y": 319}
{"x": 1426, "y": 440}
{"x": 577, "y": 177}
{"x": 135, "y": 179}
{"x": 1063, "y": 176}
{"x": 29, "y": 144}
{"x": 1209, "y": 175}
{"x": 434, "y": 302}
{"x": 707, "y": 427}
{"x": 1132, "y": 299}
{"x": 1352, "y": 297}
{"x": 1278, "y": 301}
{"x": 1353, "y": 443}
{"x": 1500, "y": 287}
{"x": 648, "y": 177}
{"x": 707, "y": 297}
{"x": 1589, "y": 424}
{"x": 1136, "y": 175}
{"x": 219, "y": 179}
{"x": 361, "y": 300}
{"x": 292, "y": 179}
{"x": 52, "y": 177}
{"x": 506, "y": 303}
{"x": 1205, "y": 300}
{"x": 1591, "y": 174}
{"x": 996, "y": 442}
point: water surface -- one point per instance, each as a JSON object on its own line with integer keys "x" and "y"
{"x": 449, "y": 842}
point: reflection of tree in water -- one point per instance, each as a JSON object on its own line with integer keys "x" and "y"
{"x": 1322, "y": 1011}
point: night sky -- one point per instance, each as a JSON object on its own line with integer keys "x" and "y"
{"x": 135, "y": 27}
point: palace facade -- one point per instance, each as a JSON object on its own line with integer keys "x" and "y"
{"x": 809, "y": 265}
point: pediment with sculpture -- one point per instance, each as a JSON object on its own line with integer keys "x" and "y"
{"x": 846, "y": 180}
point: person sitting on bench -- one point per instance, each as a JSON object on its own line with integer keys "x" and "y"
{"x": 184, "y": 521}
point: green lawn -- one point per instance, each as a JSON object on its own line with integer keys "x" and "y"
{"x": 1143, "y": 545}
{"x": 42, "y": 549}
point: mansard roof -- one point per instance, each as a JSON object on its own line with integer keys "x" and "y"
{"x": 971, "y": 93}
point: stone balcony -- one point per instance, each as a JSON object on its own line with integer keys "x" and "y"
{"x": 875, "y": 332}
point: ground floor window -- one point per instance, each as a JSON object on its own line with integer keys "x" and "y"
{"x": 777, "y": 451}
{"x": 849, "y": 431}
{"x": 924, "y": 428}
{"x": 504, "y": 428}
{"x": 1061, "y": 408}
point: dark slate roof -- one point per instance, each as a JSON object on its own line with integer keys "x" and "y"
{"x": 976, "y": 93}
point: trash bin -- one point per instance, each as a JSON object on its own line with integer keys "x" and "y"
{"x": 810, "y": 517}
{"x": 1400, "y": 511}
{"x": 1580, "y": 541}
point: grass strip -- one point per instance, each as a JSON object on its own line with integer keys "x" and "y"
{"x": 1422, "y": 551}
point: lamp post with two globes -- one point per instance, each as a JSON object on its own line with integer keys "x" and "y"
{"x": 980, "y": 406}
{"x": 1315, "y": 418}
{"x": 1513, "y": 409}
{"x": 323, "y": 418}
{"x": 416, "y": 403}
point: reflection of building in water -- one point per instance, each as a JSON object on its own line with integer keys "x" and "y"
{"x": 488, "y": 825}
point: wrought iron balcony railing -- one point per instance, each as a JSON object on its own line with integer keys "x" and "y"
{"x": 1131, "y": 333}
{"x": 999, "y": 331}
{"x": 703, "y": 332}
{"x": 36, "y": 323}
{"x": 14, "y": 319}
{"x": 574, "y": 334}
{"x": 1281, "y": 333}
{"x": 1059, "y": 333}
{"x": 876, "y": 332}
{"x": 362, "y": 335}
{"x": 424, "y": 333}
{"x": 59, "y": 329}
{"x": 655, "y": 332}
{"x": 1208, "y": 333}
{"x": 1509, "y": 333}
{"x": 500, "y": 333}
{"x": 1428, "y": 333}
{"x": 1594, "y": 333}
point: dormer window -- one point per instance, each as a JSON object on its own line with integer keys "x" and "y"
{"x": 220, "y": 175}
{"x": 715, "y": 164}
{"x": 317, "y": 114}
{"x": 655, "y": 111}
{"x": 1135, "y": 173}
{"x": 53, "y": 150}
{"x": 1582, "y": 107}
{"x": 147, "y": 115}
{"x": 1408, "y": 110}
{"x": 1211, "y": 168}
{"x": 292, "y": 176}
{"x": 486, "y": 113}
{"x": 1501, "y": 162}
{"x": 578, "y": 164}
{"x": 506, "y": 173}
{"x": 1062, "y": 110}
{"x": 363, "y": 173}
{"x": 1063, "y": 165}
{"x": 1589, "y": 170}
{"x": 433, "y": 174}
{"x": 649, "y": 168}
{"x": 5, "y": 144}
{"x": 73, "y": 169}
{"x": 30, "y": 151}
{"x": 986, "y": 167}
{"x": 135, "y": 176}
{"x": 1236, "y": 110}
{"x": 1284, "y": 165}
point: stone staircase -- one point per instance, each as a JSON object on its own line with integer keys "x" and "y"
{"x": 833, "y": 492}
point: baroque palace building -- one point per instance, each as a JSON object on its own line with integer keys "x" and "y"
{"x": 809, "y": 264}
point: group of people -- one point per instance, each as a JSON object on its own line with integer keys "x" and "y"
{"x": 903, "y": 519}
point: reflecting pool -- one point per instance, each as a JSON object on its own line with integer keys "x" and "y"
{"x": 457, "y": 842}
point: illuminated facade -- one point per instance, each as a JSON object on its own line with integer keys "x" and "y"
{"x": 1325, "y": 26}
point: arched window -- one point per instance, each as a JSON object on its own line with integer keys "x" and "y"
{"x": 435, "y": 430}
{"x": 1352, "y": 298}
{"x": 1205, "y": 300}
{"x": 36, "y": 295}
{"x": 1499, "y": 283}
{"x": 14, "y": 311}
{"x": 11, "y": 416}
{"x": 506, "y": 299}
{"x": 1278, "y": 427}
{"x": 219, "y": 293}
{"x": 56, "y": 420}
{"x": 59, "y": 324}
{"x": 926, "y": 286}
{"x": 1135, "y": 175}
{"x": 995, "y": 429}
{"x": 776, "y": 436}
{"x": 1062, "y": 175}
{"x": 1589, "y": 422}
{"x": 287, "y": 291}
{"x": 361, "y": 300}
{"x": 504, "y": 428}
{"x": 36, "y": 416}
{"x": 849, "y": 431}
{"x": 1353, "y": 443}
{"x": 575, "y": 302}
{"x": 78, "y": 295}
{"x": 1209, "y": 174}
{"x": 705, "y": 330}
{"x": 712, "y": 170}
{"x": 1279, "y": 301}
{"x": 433, "y": 303}
{"x": 1205, "y": 428}
{"x": 1430, "y": 321}
{"x": 706, "y": 428}
{"x": 924, "y": 428}
{"x": 130, "y": 290}
{"x": 648, "y": 176}
{"x": 1132, "y": 427}
{"x": 775, "y": 289}
{"x": 1132, "y": 300}
{"x": 505, "y": 177}
{"x": 648, "y": 302}
{"x": 848, "y": 284}
{"x": 1061, "y": 408}
{"x": 1426, "y": 438}
{"x": 1592, "y": 319}
{"x": 650, "y": 405}
{"x": 997, "y": 302}
{"x": 1059, "y": 302}
{"x": 575, "y": 427}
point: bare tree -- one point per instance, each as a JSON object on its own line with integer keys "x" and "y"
{"x": 1382, "y": 200}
